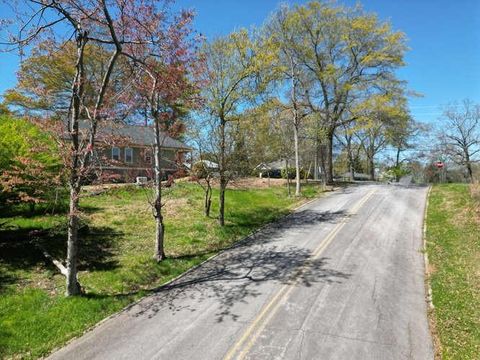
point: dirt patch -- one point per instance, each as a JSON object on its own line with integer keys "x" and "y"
{"x": 173, "y": 207}
{"x": 475, "y": 194}
{"x": 437, "y": 346}
{"x": 256, "y": 183}
{"x": 251, "y": 183}
{"x": 93, "y": 190}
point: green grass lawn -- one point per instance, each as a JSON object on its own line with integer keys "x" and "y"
{"x": 116, "y": 265}
{"x": 453, "y": 245}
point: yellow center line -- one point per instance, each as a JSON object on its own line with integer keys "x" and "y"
{"x": 269, "y": 310}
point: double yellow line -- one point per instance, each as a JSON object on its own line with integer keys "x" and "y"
{"x": 251, "y": 334}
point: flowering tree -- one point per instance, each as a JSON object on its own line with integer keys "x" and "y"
{"x": 110, "y": 25}
{"x": 167, "y": 67}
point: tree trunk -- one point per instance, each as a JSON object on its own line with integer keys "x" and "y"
{"x": 352, "y": 171}
{"x": 289, "y": 192}
{"x": 208, "y": 199}
{"x": 397, "y": 166}
{"x": 470, "y": 171}
{"x": 293, "y": 96}
{"x": 322, "y": 166}
{"x": 468, "y": 163}
{"x": 223, "y": 178}
{"x": 351, "y": 160}
{"x": 72, "y": 286}
{"x": 159, "y": 254}
{"x": 297, "y": 161}
{"x": 159, "y": 236}
{"x": 221, "y": 217}
{"x": 371, "y": 168}
{"x": 329, "y": 162}
{"x": 316, "y": 160}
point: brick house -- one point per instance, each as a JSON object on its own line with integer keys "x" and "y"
{"x": 126, "y": 152}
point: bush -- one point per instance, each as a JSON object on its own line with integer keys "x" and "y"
{"x": 292, "y": 173}
{"x": 29, "y": 163}
{"x": 274, "y": 173}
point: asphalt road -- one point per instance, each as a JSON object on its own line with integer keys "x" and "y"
{"x": 342, "y": 278}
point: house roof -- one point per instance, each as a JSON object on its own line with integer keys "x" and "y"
{"x": 137, "y": 135}
{"x": 209, "y": 164}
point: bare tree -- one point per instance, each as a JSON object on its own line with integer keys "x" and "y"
{"x": 202, "y": 171}
{"x": 460, "y": 134}
{"x": 404, "y": 140}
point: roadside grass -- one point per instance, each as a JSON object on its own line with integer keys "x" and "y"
{"x": 453, "y": 245}
{"x": 116, "y": 266}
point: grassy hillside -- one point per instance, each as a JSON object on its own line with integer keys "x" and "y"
{"x": 453, "y": 245}
{"x": 116, "y": 267}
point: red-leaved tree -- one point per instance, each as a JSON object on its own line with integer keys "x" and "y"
{"x": 167, "y": 69}
{"x": 122, "y": 28}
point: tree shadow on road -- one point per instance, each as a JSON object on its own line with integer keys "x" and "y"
{"x": 235, "y": 276}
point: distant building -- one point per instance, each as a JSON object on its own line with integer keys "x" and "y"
{"x": 274, "y": 168}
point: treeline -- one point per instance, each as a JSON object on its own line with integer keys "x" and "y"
{"x": 311, "y": 75}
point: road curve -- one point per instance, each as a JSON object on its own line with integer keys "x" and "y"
{"x": 342, "y": 278}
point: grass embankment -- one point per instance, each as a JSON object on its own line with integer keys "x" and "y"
{"x": 453, "y": 245}
{"x": 116, "y": 257}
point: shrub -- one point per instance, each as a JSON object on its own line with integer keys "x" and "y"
{"x": 29, "y": 163}
{"x": 291, "y": 171}
{"x": 199, "y": 170}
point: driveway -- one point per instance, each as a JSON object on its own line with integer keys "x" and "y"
{"x": 342, "y": 278}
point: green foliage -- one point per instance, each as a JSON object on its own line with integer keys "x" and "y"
{"x": 231, "y": 65}
{"x": 4, "y": 110}
{"x": 396, "y": 172}
{"x": 29, "y": 162}
{"x": 291, "y": 173}
{"x": 18, "y": 138}
{"x": 337, "y": 55}
{"x": 342, "y": 163}
{"x": 45, "y": 77}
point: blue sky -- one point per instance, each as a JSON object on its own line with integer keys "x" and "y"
{"x": 443, "y": 35}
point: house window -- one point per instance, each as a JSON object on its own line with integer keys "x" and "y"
{"x": 129, "y": 155}
{"x": 116, "y": 153}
